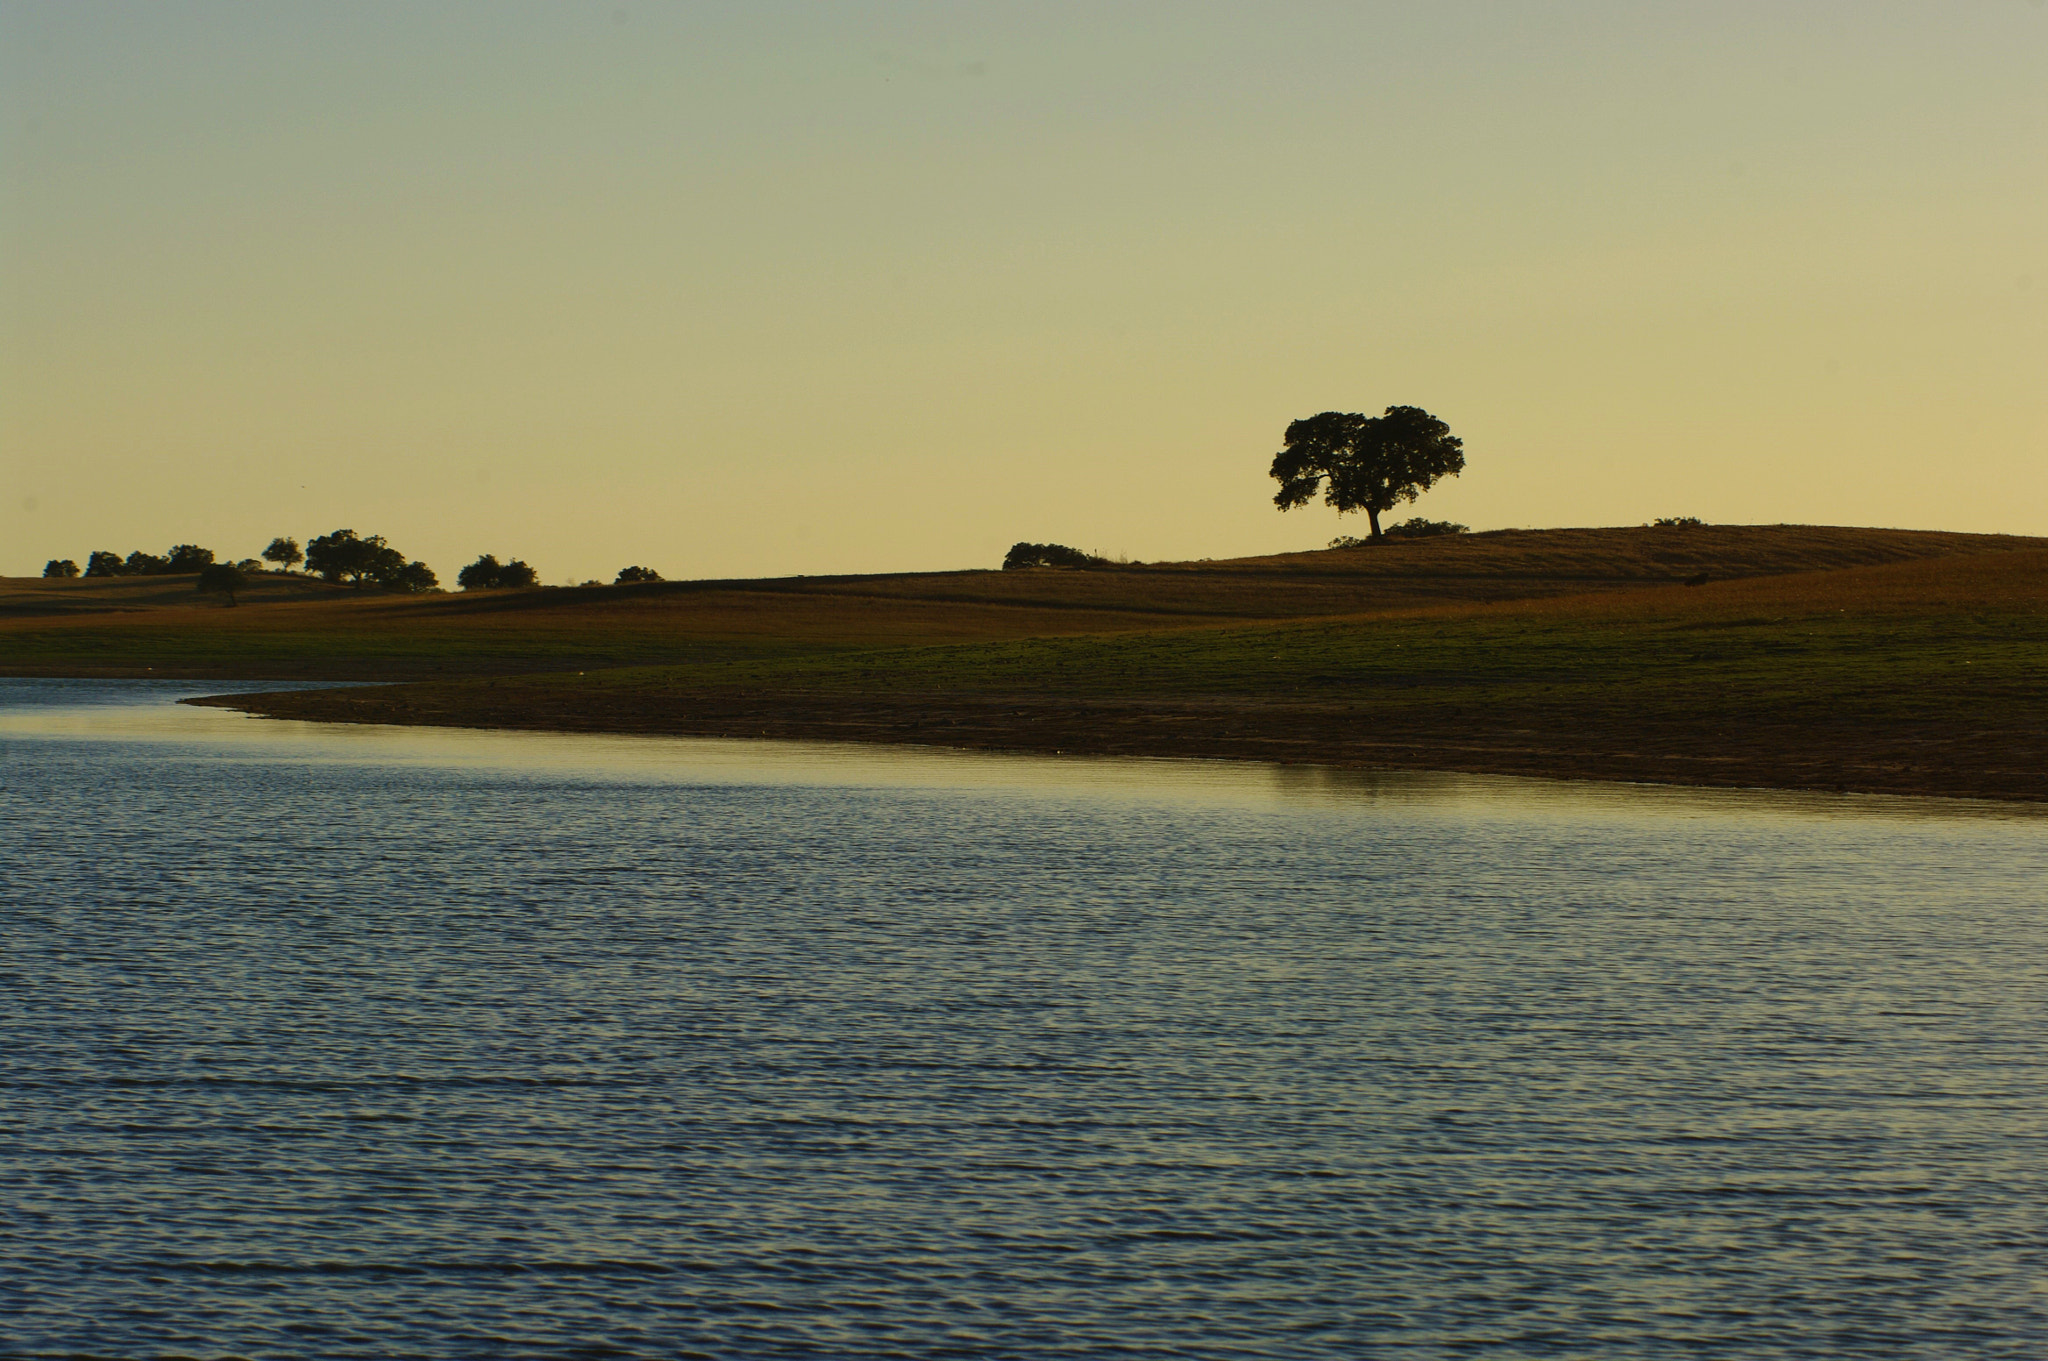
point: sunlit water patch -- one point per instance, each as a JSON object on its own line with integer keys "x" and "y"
{"x": 325, "y": 1041}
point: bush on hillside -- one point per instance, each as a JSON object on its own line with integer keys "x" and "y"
{"x": 1419, "y": 528}
{"x": 1416, "y": 528}
{"x": 1049, "y": 555}
{"x": 1679, "y": 522}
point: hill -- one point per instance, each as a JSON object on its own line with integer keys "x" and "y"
{"x": 298, "y": 628}
{"x": 1824, "y": 658}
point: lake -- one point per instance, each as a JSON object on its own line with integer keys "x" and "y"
{"x": 363, "y": 1042}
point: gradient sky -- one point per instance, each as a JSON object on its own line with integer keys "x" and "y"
{"x": 770, "y": 288}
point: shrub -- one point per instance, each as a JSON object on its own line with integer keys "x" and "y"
{"x": 631, "y": 574}
{"x": 1419, "y": 528}
{"x": 60, "y": 567}
{"x": 1679, "y": 522}
{"x": 1049, "y": 555}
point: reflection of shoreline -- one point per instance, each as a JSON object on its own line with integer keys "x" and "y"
{"x": 1321, "y": 744}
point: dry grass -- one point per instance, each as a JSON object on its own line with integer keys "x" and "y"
{"x": 1917, "y": 676}
{"x": 292, "y": 627}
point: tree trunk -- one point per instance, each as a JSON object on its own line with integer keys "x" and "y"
{"x": 1373, "y": 517}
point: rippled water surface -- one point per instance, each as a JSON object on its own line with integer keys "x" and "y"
{"x": 361, "y": 1042}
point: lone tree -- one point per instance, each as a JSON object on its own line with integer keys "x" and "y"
{"x": 628, "y": 575}
{"x": 284, "y": 552}
{"x": 224, "y": 577}
{"x": 60, "y": 568}
{"x": 1368, "y": 463}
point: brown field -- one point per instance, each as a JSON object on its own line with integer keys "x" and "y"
{"x": 1822, "y": 658}
{"x": 291, "y": 628}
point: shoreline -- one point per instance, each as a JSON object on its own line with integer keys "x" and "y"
{"x": 1794, "y": 756}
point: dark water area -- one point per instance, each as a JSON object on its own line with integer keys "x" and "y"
{"x": 366, "y": 1043}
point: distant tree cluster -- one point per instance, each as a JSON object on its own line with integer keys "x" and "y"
{"x": 628, "y": 575}
{"x": 487, "y": 573}
{"x": 60, "y": 568}
{"x": 183, "y": 558}
{"x": 1368, "y": 463}
{"x": 1679, "y": 522}
{"x": 1049, "y": 555}
{"x": 347, "y": 556}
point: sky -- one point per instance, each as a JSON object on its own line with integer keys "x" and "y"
{"x": 765, "y": 288}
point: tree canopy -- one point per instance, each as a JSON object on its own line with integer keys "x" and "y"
{"x": 223, "y": 577}
{"x": 1368, "y": 463}
{"x": 284, "y": 552}
{"x": 632, "y": 574}
{"x": 487, "y": 572}
{"x": 60, "y": 567}
{"x": 346, "y": 556}
{"x": 184, "y": 557}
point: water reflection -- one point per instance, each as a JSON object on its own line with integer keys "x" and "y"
{"x": 337, "y": 1041}
{"x": 148, "y": 711}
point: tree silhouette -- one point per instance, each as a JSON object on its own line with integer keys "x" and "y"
{"x": 1368, "y": 463}
{"x": 223, "y": 577}
{"x": 284, "y": 552}
{"x": 487, "y": 572}
{"x": 60, "y": 567}
{"x": 345, "y": 556}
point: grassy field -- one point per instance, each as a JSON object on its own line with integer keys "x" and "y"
{"x": 1811, "y": 657}
{"x": 298, "y": 628}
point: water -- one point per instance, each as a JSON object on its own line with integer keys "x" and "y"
{"x": 363, "y": 1042}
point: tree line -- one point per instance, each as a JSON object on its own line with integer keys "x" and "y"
{"x": 344, "y": 557}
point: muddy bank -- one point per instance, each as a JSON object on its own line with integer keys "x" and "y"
{"x": 1951, "y": 758}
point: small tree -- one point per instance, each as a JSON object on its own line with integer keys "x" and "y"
{"x": 222, "y": 577}
{"x": 415, "y": 576}
{"x": 1368, "y": 463}
{"x": 104, "y": 564}
{"x": 60, "y": 568}
{"x": 141, "y": 564}
{"x": 481, "y": 574}
{"x": 284, "y": 552}
{"x": 628, "y": 575}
